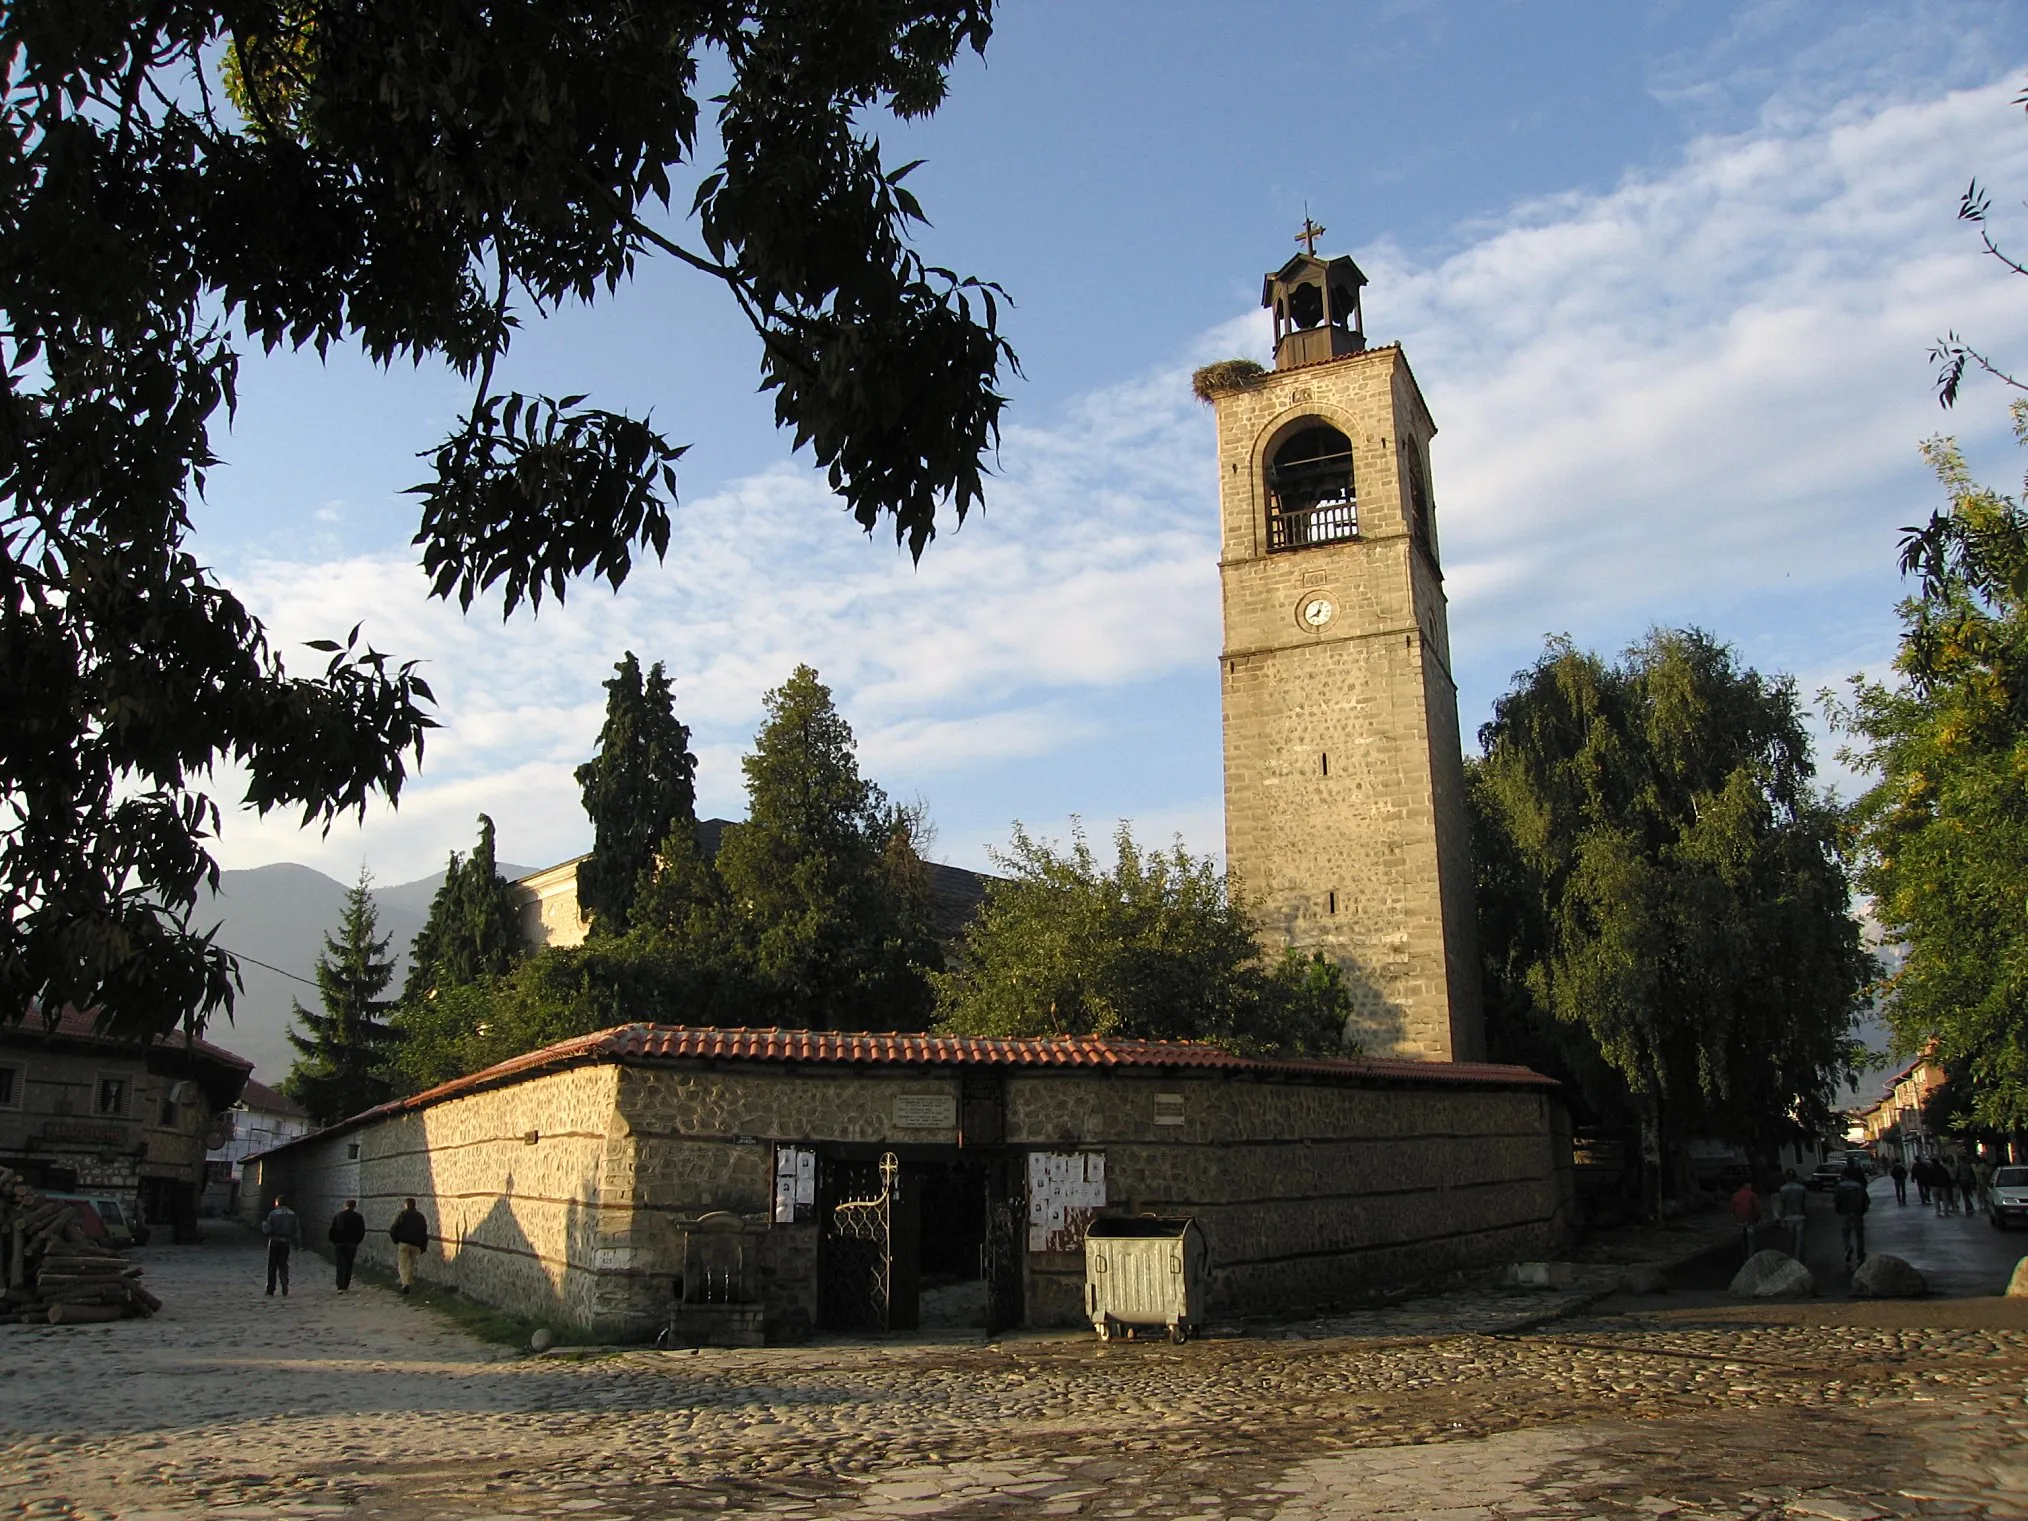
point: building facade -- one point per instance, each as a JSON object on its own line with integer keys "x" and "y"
{"x": 262, "y": 1120}
{"x": 623, "y": 1181}
{"x": 1344, "y": 776}
{"x": 83, "y": 1113}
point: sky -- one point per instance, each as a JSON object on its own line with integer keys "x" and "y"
{"x": 1668, "y": 274}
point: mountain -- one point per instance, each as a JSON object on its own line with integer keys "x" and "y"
{"x": 280, "y": 915}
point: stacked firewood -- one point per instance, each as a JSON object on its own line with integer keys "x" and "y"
{"x": 54, "y": 1274}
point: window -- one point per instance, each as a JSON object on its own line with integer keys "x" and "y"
{"x": 1310, "y": 495}
{"x": 1420, "y": 509}
{"x": 10, "y": 1087}
{"x": 112, "y": 1095}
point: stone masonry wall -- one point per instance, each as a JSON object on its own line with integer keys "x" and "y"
{"x": 1343, "y": 773}
{"x": 512, "y": 1180}
{"x": 1308, "y": 1193}
{"x": 705, "y": 1142}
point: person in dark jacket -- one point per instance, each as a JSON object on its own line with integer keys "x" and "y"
{"x": 1899, "y": 1173}
{"x": 410, "y": 1234}
{"x": 1920, "y": 1172}
{"x": 284, "y": 1231}
{"x": 1851, "y": 1201}
{"x": 348, "y": 1229}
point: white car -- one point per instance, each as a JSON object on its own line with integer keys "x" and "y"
{"x": 2007, "y": 1198}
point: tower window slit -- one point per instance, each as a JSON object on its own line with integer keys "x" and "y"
{"x": 1326, "y": 759}
{"x": 1310, "y": 494}
{"x": 1334, "y": 900}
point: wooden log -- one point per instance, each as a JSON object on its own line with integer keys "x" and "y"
{"x": 146, "y": 1300}
{"x": 84, "y": 1314}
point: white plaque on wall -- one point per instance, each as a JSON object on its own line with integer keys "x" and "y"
{"x": 926, "y": 1111}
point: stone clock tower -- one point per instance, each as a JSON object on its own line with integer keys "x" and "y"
{"x": 1344, "y": 778}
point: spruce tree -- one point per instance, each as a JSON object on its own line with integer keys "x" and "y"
{"x": 640, "y": 787}
{"x": 344, "y": 1051}
{"x": 823, "y": 879}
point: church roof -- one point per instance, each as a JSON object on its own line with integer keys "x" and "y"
{"x": 652, "y": 1044}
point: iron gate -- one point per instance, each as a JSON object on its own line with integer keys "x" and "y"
{"x": 856, "y": 1276}
{"x": 1000, "y": 1261}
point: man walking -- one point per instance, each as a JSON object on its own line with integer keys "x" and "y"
{"x": 1746, "y": 1210}
{"x": 410, "y": 1234}
{"x": 348, "y": 1229}
{"x": 283, "y": 1231}
{"x": 1851, "y": 1201}
{"x": 1794, "y": 1202}
{"x": 1899, "y": 1172}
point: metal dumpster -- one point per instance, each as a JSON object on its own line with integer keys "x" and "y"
{"x": 1145, "y": 1271}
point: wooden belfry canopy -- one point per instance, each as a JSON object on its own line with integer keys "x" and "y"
{"x": 1316, "y": 305}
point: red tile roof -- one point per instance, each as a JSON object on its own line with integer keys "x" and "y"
{"x": 646, "y": 1043}
{"x": 83, "y": 1024}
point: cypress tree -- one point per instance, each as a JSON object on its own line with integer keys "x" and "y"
{"x": 640, "y": 786}
{"x": 474, "y": 924}
{"x": 343, "y": 1052}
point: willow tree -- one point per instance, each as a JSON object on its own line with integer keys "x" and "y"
{"x": 185, "y": 179}
{"x": 1944, "y": 827}
{"x": 1663, "y": 895}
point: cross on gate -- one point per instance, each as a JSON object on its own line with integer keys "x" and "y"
{"x": 1310, "y": 233}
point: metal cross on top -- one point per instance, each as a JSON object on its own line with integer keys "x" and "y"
{"x": 1310, "y": 233}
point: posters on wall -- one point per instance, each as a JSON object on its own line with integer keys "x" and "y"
{"x": 1065, "y": 1190}
{"x": 795, "y": 1184}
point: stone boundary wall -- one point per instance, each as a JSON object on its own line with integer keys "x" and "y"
{"x": 511, "y": 1179}
{"x": 1309, "y": 1192}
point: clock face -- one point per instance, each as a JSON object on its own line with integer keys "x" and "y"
{"x": 1316, "y": 612}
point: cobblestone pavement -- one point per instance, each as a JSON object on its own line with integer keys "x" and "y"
{"x": 232, "y": 1405}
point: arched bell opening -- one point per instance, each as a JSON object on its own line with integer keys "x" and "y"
{"x": 1310, "y": 492}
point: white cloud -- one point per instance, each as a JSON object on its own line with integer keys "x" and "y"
{"x": 1713, "y": 378}
{"x": 1700, "y": 388}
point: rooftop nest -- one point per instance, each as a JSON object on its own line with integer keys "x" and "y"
{"x": 1214, "y": 380}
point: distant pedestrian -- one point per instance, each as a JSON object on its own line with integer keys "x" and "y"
{"x": 1746, "y": 1210}
{"x": 1943, "y": 1185}
{"x": 1851, "y": 1201}
{"x": 348, "y": 1229}
{"x": 410, "y": 1233}
{"x": 1967, "y": 1183}
{"x": 1899, "y": 1172}
{"x": 284, "y": 1232}
{"x": 1982, "y": 1180}
{"x": 1921, "y": 1176}
{"x": 1794, "y": 1205}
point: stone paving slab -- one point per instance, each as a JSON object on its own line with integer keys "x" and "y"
{"x": 363, "y": 1405}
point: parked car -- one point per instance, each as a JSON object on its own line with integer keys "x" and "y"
{"x": 2007, "y": 1198}
{"x": 106, "y": 1219}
